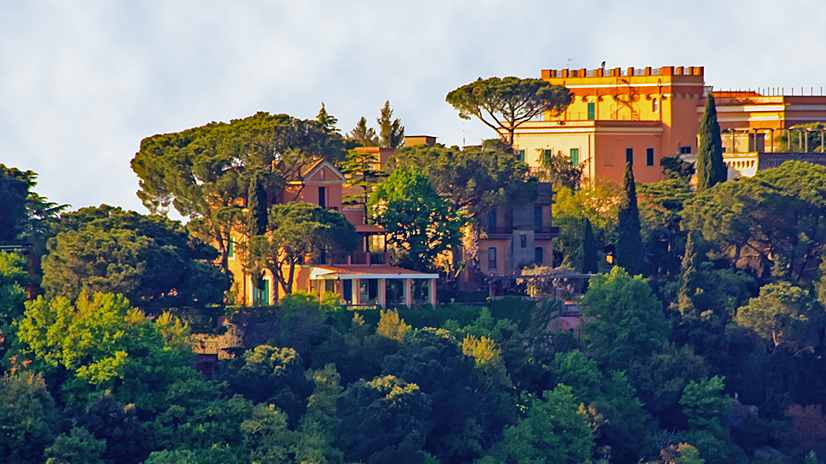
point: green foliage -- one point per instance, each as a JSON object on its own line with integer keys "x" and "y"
{"x": 28, "y": 418}
{"x": 682, "y": 453}
{"x": 384, "y": 420}
{"x": 590, "y": 259}
{"x": 597, "y": 201}
{"x": 23, "y": 213}
{"x": 704, "y": 404}
{"x": 421, "y": 224}
{"x": 554, "y": 432}
{"x": 783, "y": 314}
{"x": 488, "y": 359}
{"x": 661, "y": 378}
{"x": 711, "y": 170}
{"x": 79, "y": 447}
{"x": 272, "y": 376}
{"x": 148, "y": 259}
{"x": 508, "y": 102}
{"x": 795, "y": 141}
{"x": 675, "y": 168}
{"x": 13, "y": 279}
{"x": 391, "y": 131}
{"x": 267, "y": 436}
{"x": 777, "y": 213}
{"x": 624, "y": 319}
{"x": 205, "y": 172}
{"x": 119, "y": 427}
{"x": 630, "y": 253}
{"x": 661, "y": 205}
{"x": 559, "y": 170}
{"x": 257, "y": 207}
{"x": 296, "y": 230}
{"x": 105, "y": 345}
{"x": 474, "y": 179}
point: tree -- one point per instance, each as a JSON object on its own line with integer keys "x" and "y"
{"x": 590, "y": 261}
{"x": 711, "y": 170}
{"x": 151, "y": 260}
{"x": 704, "y": 404}
{"x": 267, "y": 435}
{"x": 328, "y": 121}
{"x": 554, "y": 432}
{"x": 23, "y": 213}
{"x": 474, "y": 179}
{"x": 800, "y": 137}
{"x": 119, "y": 427}
{"x": 505, "y": 104}
{"x": 363, "y": 171}
{"x": 391, "y": 131}
{"x": 559, "y": 170}
{"x": 79, "y": 447}
{"x": 783, "y": 314}
{"x": 28, "y": 417}
{"x": 391, "y": 325}
{"x": 384, "y": 420}
{"x": 597, "y": 201}
{"x": 105, "y": 345}
{"x": 297, "y": 230}
{"x": 630, "y": 253}
{"x": 420, "y": 223}
{"x": 661, "y": 205}
{"x": 364, "y": 135}
{"x": 624, "y": 319}
{"x": 205, "y": 172}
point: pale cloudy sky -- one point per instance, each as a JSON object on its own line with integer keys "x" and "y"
{"x": 82, "y": 82}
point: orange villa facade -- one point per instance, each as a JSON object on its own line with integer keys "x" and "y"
{"x": 364, "y": 278}
{"x": 640, "y": 115}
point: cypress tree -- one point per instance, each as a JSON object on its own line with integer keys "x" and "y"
{"x": 629, "y": 241}
{"x": 590, "y": 261}
{"x": 257, "y": 207}
{"x": 711, "y": 169}
{"x": 690, "y": 278}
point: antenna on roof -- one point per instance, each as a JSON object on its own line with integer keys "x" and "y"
{"x": 603, "y": 65}
{"x": 569, "y": 61}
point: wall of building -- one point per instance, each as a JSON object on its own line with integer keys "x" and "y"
{"x": 611, "y": 156}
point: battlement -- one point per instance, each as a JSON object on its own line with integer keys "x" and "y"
{"x": 620, "y": 72}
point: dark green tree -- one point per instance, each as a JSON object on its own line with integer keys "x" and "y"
{"x": 328, "y": 121}
{"x": 504, "y": 104}
{"x": 78, "y": 447}
{"x": 690, "y": 285}
{"x": 624, "y": 320}
{"x": 559, "y": 170}
{"x": 119, "y": 426}
{"x": 149, "y": 259}
{"x": 384, "y": 420}
{"x": 421, "y": 224}
{"x": 391, "y": 131}
{"x": 711, "y": 170}
{"x": 366, "y": 136}
{"x": 205, "y": 172}
{"x": 590, "y": 260}
{"x": 784, "y": 314}
{"x": 23, "y": 213}
{"x": 630, "y": 253}
{"x": 257, "y": 207}
{"x": 28, "y": 417}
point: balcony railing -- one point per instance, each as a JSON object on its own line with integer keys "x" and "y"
{"x": 500, "y": 230}
{"x": 546, "y": 231}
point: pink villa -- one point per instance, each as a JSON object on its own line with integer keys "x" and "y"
{"x": 365, "y": 278}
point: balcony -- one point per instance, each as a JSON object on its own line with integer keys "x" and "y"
{"x": 546, "y": 233}
{"x": 499, "y": 232}
{"x": 368, "y": 259}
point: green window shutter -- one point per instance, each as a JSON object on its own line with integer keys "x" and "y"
{"x": 592, "y": 111}
{"x": 575, "y": 156}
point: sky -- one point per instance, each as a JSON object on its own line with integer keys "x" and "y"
{"x": 83, "y": 82}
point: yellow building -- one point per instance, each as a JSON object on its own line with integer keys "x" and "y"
{"x": 640, "y": 115}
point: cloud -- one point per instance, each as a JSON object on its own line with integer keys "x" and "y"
{"x": 82, "y": 83}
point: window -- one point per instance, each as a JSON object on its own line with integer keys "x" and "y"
{"x": 592, "y": 111}
{"x": 421, "y": 291}
{"x": 329, "y": 286}
{"x": 537, "y": 217}
{"x": 575, "y": 156}
{"x": 649, "y": 157}
{"x": 655, "y": 105}
{"x": 538, "y": 255}
{"x": 523, "y": 241}
{"x": 546, "y": 154}
{"x": 685, "y": 150}
{"x": 347, "y": 290}
{"x": 322, "y": 197}
{"x": 231, "y": 249}
{"x": 629, "y": 156}
{"x": 521, "y": 154}
{"x": 491, "y": 258}
{"x": 608, "y": 156}
{"x": 492, "y": 221}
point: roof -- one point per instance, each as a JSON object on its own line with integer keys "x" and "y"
{"x": 372, "y": 272}
{"x": 307, "y": 170}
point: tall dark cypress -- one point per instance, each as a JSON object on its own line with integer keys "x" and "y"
{"x": 257, "y": 207}
{"x": 630, "y": 254}
{"x": 690, "y": 277}
{"x": 711, "y": 169}
{"x": 590, "y": 261}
